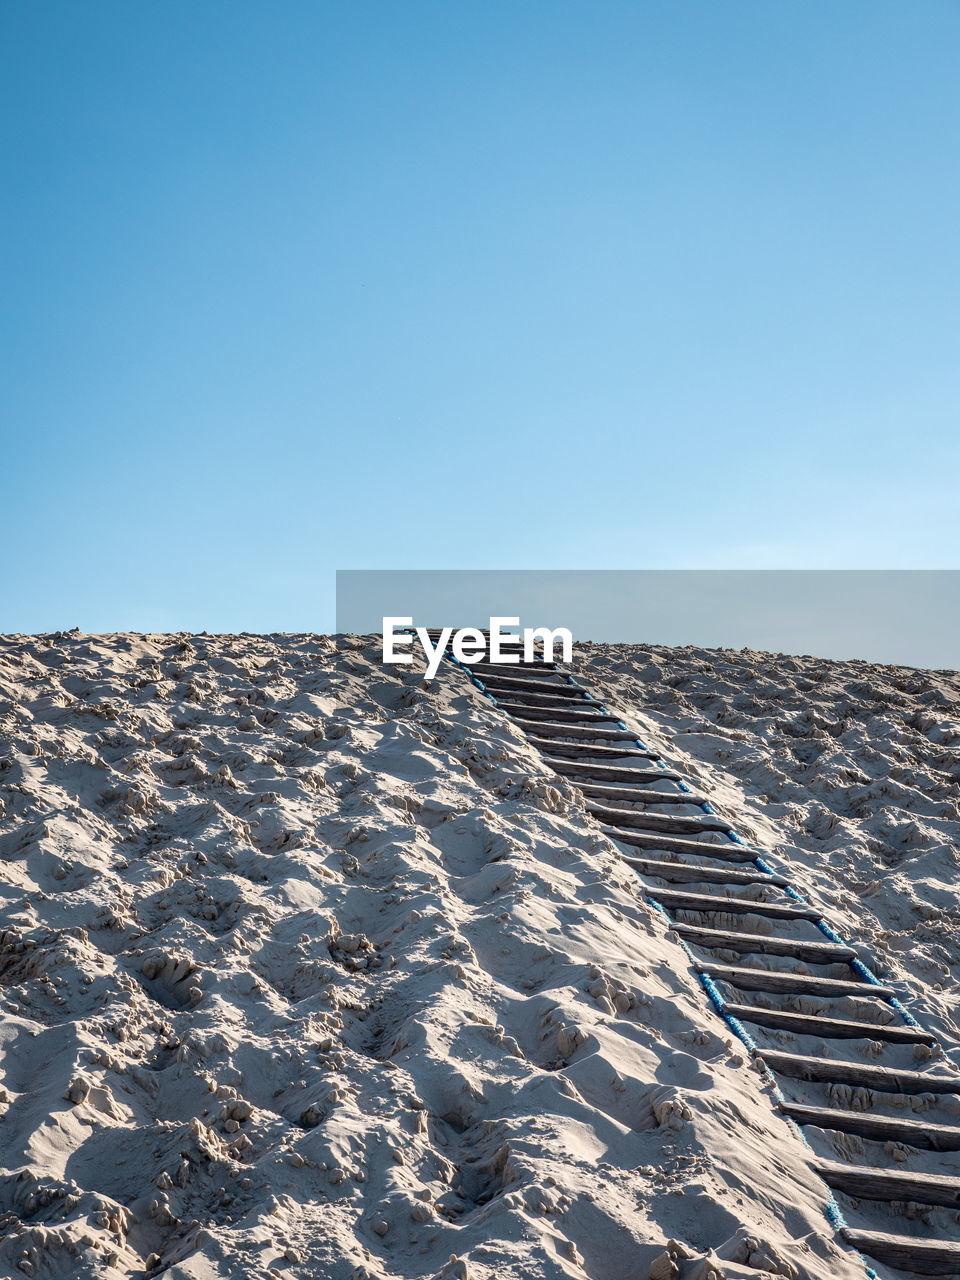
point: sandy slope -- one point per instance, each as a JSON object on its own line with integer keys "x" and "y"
{"x": 848, "y": 770}
{"x": 311, "y": 970}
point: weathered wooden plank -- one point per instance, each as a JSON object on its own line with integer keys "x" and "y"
{"x": 602, "y": 792}
{"x": 611, "y": 773}
{"x": 890, "y": 1184}
{"x": 789, "y": 983}
{"x": 532, "y": 686}
{"x": 679, "y": 871}
{"x": 581, "y": 714}
{"x": 656, "y": 821}
{"x": 812, "y": 952}
{"x": 808, "y": 1024}
{"x": 519, "y": 670}
{"x": 727, "y": 852}
{"x": 915, "y": 1133}
{"x": 512, "y": 670}
{"x": 679, "y": 900}
{"x": 505, "y": 700}
{"x": 830, "y": 1070}
{"x": 552, "y": 729}
{"x": 588, "y": 750}
{"x": 920, "y": 1254}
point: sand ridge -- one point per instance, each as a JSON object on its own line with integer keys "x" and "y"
{"x": 311, "y": 969}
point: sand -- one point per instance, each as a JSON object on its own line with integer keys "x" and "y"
{"x": 313, "y": 970}
{"x": 848, "y": 771}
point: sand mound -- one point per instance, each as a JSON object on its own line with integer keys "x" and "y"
{"x": 311, "y": 970}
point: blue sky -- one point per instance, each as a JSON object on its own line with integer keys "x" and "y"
{"x": 292, "y": 288}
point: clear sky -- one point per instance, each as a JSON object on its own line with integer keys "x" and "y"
{"x": 304, "y": 286}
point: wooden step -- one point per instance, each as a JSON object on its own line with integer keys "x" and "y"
{"x": 581, "y": 714}
{"x": 776, "y": 980}
{"x": 610, "y": 773}
{"x": 656, "y": 821}
{"x": 726, "y": 852}
{"x": 811, "y": 952}
{"x": 588, "y": 750}
{"x": 915, "y": 1133}
{"x": 532, "y": 687}
{"x": 551, "y": 729}
{"x": 833, "y": 1070}
{"x": 865, "y": 1183}
{"x": 919, "y": 1254}
{"x": 553, "y": 746}
{"x": 601, "y": 792}
{"x": 808, "y": 1024}
{"x": 679, "y": 871}
{"x": 678, "y": 900}
{"x": 507, "y": 699}
{"x": 508, "y": 668}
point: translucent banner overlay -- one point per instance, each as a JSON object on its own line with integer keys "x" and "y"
{"x": 909, "y": 617}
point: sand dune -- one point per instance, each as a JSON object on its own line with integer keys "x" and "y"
{"x": 310, "y": 969}
{"x": 849, "y": 770}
